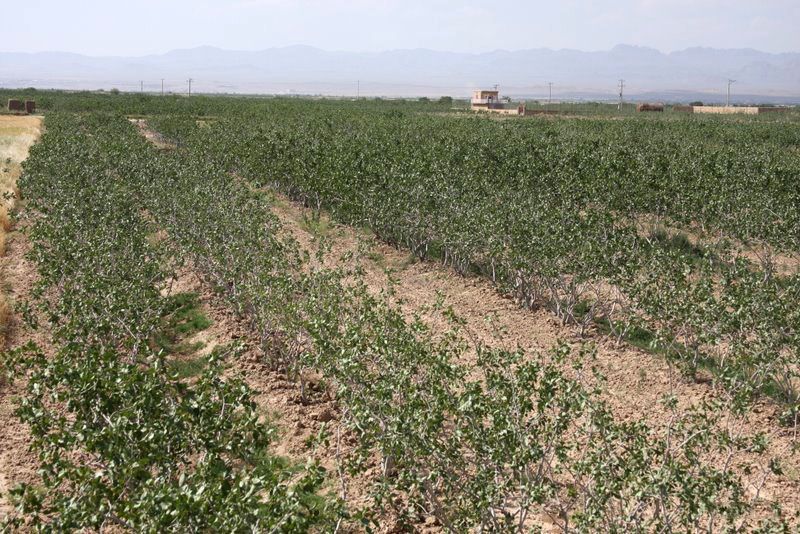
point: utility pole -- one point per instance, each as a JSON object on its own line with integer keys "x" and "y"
{"x": 162, "y": 86}
{"x": 621, "y": 90}
{"x": 728, "y": 101}
{"x": 358, "y": 89}
{"x": 550, "y": 94}
{"x": 141, "y": 86}
{"x": 190, "y": 87}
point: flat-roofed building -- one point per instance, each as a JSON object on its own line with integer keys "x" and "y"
{"x": 486, "y": 99}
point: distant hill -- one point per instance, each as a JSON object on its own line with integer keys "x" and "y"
{"x": 694, "y": 73}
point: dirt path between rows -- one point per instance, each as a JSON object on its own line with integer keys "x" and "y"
{"x": 17, "y": 463}
{"x": 636, "y": 381}
{"x": 297, "y": 421}
{"x": 18, "y": 276}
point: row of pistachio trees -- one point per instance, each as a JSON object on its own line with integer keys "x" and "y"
{"x": 572, "y": 215}
{"x": 121, "y": 440}
{"x": 506, "y": 442}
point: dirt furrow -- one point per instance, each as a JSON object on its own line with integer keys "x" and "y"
{"x": 17, "y": 463}
{"x": 298, "y": 421}
{"x": 18, "y": 276}
{"x": 636, "y": 381}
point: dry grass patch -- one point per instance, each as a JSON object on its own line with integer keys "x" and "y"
{"x": 17, "y": 134}
{"x": 158, "y": 140}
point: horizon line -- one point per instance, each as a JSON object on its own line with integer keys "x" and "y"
{"x": 409, "y": 49}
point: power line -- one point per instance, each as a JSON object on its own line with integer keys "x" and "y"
{"x": 728, "y": 101}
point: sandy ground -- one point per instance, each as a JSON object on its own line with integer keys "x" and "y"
{"x": 154, "y": 137}
{"x": 17, "y": 463}
{"x": 17, "y": 277}
{"x": 17, "y": 134}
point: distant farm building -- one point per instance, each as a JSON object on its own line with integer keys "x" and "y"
{"x": 20, "y": 107}
{"x": 730, "y": 110}
{"x": 485, "y": 100}
{"x": 650, "y": 107}
{"x": 490, "y": 101}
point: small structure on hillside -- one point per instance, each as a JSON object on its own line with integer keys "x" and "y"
{"x": 486, "y": 99}
{"x": 30, "y": 106}
{"x": 15, "y": 105}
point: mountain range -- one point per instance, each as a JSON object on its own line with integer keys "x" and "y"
{"x": 694, "y": 73}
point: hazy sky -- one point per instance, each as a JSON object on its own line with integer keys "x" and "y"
{"x": 138, "y": 27}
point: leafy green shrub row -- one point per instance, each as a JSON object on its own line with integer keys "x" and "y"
{"x": 497, "y": 444}
{"x": 553, "y": 213}
{"x": 121, "y": 440}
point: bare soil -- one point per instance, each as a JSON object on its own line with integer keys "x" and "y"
{"x": 17, "y": 277}
{"x": 636, "y": 381}
{"x": 17, "y": 463}
{"x": 297, "y": 420}
{"x": 154, "y": 137}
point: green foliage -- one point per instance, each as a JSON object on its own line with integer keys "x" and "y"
{"x": 678, "y": 242}
{"x": 188, "y": 367}
{"x": 483, "y": 445}
{"x": 120, "y": 438}
{"x": 491, "y": 442}
{"x": 551, "y": 212}
{"x": 182, "y": 318}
